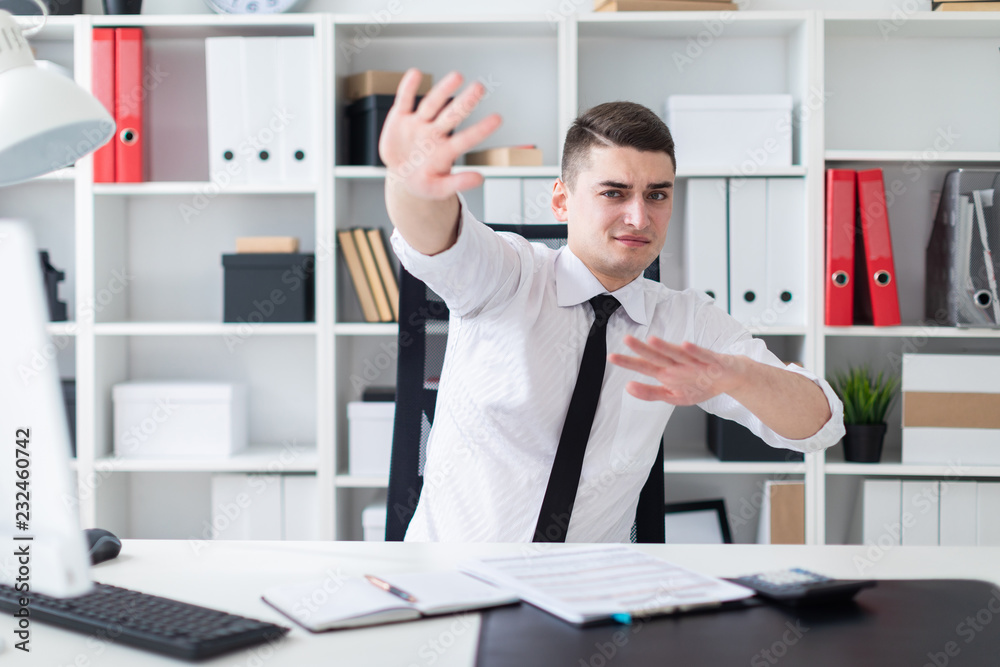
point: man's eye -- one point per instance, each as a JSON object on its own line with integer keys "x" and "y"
{"x": 612, "y": 194}
{"x": 658, "y": 196}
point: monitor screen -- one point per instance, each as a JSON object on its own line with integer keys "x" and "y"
{"x": 43, "y": 547}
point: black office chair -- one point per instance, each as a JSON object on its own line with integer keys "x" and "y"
{"x": 423, "y": 332}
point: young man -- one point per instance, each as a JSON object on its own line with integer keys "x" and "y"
{"x": 520, "y": 323}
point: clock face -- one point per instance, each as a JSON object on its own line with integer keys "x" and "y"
{"x": 251, "y": 6}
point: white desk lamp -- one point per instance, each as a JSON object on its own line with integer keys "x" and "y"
{"x": 47, "y": 122}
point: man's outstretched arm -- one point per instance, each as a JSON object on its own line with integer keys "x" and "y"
{"x": 789, "y": 404}
{"x": 420, "y": 190}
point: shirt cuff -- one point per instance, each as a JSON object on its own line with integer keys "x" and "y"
{"x": 827, "y": 436}
{"x": 414, "y": 260}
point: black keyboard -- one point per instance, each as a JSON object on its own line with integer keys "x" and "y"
{"x": 149, "y": 622}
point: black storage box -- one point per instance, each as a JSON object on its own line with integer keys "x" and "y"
{"x": 731, "y": 441}
{"x": 69, "y": 400}
{"x": 364, "y": 120}
{"x": 269, "y": 287}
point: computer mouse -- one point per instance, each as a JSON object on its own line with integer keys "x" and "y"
{"x": 102, "y": 545}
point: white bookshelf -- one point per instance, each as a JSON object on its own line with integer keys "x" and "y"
{"x": 864, "y": 97}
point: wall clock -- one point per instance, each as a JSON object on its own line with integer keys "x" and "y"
{"x": 251, "y": 6}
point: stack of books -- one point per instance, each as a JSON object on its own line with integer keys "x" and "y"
{"x": 664, "y": 6}
{"x": 965, "y": 6}
{"x": 371, "y": 272}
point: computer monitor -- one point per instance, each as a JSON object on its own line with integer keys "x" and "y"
{"x": 42, "y": 544}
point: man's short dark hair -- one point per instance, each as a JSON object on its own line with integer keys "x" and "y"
{"x": 624, "y": 124}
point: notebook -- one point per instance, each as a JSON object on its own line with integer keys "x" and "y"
{"x": 355, "y": 601}
{"x": 594, "y": 584}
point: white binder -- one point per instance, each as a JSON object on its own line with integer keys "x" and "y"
{"x": 300, "y": 506}
{"x": 706, "y": 238}
{"x": 786, "y": 252}
{"x": 882, "y": 512}
{"x": 502, "y": 200}
{"x": 298, "y": 147}
{"x": 748, "y": 250}
{"x": 246, "y": 507}
{"x": 227, "y": 150}
{"x": 536, "y": 196}
{"x": 958, "y": 514}
{"x": 920, "y": 513}
{"x": 988, "y": 506}
{"x": 264, "y": 124}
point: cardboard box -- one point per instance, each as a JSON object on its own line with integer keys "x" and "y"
{"x": 731, "y": 131}
{"x": 377, "y": 82}
{"x": 179, "y": 420}
{"x": 506, "y": 156}
{"x": 369, "y": 438}
{"x": 267, "y": 244}
{"x": 951, "y": 409}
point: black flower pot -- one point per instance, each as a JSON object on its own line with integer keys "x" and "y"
{"x": 863, "y": 442}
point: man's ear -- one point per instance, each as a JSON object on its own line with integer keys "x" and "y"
{"x": 560, "y": 201}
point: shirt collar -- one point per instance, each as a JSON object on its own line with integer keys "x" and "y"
{"x": 576, "y": 284}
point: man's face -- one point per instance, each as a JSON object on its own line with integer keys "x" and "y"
{"x": 618, "y": 211}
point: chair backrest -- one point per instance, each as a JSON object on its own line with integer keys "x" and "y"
{"x": 423, "y": 332}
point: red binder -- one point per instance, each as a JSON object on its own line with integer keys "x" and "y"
{"x": 840, "y": 210}
{"x": 879, "y": 268}
{"x": 103, "y": 85}
{"x": 129, "y": 96}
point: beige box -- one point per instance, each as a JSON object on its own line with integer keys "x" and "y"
{"x": 377, "y": 82}
{"x": 267, "y": 244}
{"x": 507, "y": 156}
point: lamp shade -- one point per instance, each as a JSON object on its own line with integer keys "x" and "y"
{"x": 47, "y": 122}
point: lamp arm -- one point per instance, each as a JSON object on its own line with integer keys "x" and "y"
{"x": 29, "y": 32}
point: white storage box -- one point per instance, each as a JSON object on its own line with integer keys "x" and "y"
{"x": 172, "y": 420}
{"x": 742, "y": 132}
{"x": 373, "y": 522}
{"x": 951, "y": 409}
{"x": 369, "y": 437}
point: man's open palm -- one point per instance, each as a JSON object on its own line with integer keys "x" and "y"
{"x": 416, "y": 145}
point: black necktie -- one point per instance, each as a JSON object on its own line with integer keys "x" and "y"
{"x": 564, "y": 480}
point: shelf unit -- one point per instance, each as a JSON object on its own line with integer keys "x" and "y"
{"x": 859, "y": 83}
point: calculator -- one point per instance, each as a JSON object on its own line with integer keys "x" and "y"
{"x": 795, "y": 586}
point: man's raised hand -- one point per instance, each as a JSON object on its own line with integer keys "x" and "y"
{"x": 415, "y": 144}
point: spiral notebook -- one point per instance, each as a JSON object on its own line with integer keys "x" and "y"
{"x": 595, "y": 584}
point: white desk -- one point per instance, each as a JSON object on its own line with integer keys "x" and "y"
{"x": 231, "y": 576}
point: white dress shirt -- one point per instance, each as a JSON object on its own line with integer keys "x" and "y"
{"x": 519, "y": 322}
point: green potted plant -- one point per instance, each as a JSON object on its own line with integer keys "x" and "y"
{"x": 867, "y": 398}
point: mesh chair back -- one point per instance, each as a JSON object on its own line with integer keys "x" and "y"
{"x": 423, "y": 334}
